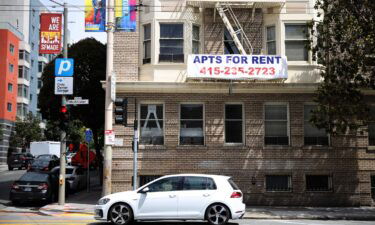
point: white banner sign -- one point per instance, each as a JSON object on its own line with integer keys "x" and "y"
{"x": 262, "y": 67}
{"x": 63, "y": 85}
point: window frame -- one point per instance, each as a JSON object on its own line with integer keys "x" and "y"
{"x": 304, "y": 127}
{"x": 269, "y": 41}
{"x": 139, "y": 120}
{"x": 287, "y": 126}
{"x": 290, "y": 182}
{"x": 144, "y": 59}
{"x": 203, "y": 122}
{"x": 9, "y": 107}
{"x": 305, "y": 40}
{"x": 195, "y": 40}
{"x": 243, "y": 123}
{"x": 182, "y": 38}
{"x": 330, "y": 182}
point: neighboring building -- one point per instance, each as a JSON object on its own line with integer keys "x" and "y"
{"x": 9, "y": 46}
{"x": 258, "y": 132}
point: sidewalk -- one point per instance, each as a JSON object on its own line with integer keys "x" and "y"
{"x": 84, "y": 203}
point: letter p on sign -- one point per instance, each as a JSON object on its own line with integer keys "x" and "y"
{"x": 64, "y": 67}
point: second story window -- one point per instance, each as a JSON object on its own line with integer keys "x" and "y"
{"x": 191, "y": 124}
{"x": 271, "y": 40}
{"x": 276, "y": 124}
{"x": 171, "y": 43}
{"x": 151, "y": 126}
{"x": 296, "y": 42}
{"x": 313, "y": 135}
{"x": 195, "y": 39}
{"x": 147, "y": 43}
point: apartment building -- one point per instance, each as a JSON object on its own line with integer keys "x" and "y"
{"x": 254, "y": 130}
{"x": 9, "y": 45}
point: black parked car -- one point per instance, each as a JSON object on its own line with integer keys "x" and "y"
{"x": 19, "y": 160}
{"x": 35, "y": 186}
{"x": 44, "y": 163}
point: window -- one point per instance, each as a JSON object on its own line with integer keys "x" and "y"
{"x": 40, "y": 83}
{"x": 23, "y": 91}
{"x": 11, "y": 68}
{"x": 195, "y": 39}
{"x": 198, "y": 183}
{"x": 23, "y": 72}
{"x": 295, "y": 42}
{"x": 313, "y": 135}
{"x": 371, "y": 127}
{"x": 171, "y": 43}
{"x": 22, "y": 110}
{"x": 31, "y": 97}
{"x": 233, "y": 123}
{"x": 10, "y": 87}
{"x": 373, "y": 187}
{"x": 24, "y": 55}
{"x": 191, "y": 124}
{"x": 278, "y": 183}
{"x": 151, "y": 122}
{"x": 229, "y": 45}
{"x": 11, "y": 48}
{"x": 147, "y": 43}
{"x": 32, "y": 46}
{"x": 32, "y": 63}
{"x": 41, "y": 66}
{"x": 9, "y": 107}
{"x": 276, "y": 125}
{"x": 318, "y": 183}
{"x": 144, "y": 179}
{"x": 271, "y": 40}
{"x": 166, "y": 184}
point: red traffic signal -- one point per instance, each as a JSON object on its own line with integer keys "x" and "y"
{"x": 63, "y": 109}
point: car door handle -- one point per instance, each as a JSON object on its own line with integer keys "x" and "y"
{"x": 206, "y": 195}
{"x": 172, "y": 196}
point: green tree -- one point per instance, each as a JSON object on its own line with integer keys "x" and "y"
{"x": 25, "y": 131}
{"x": 345, "y": 47}
{"x": 89, "y": 70}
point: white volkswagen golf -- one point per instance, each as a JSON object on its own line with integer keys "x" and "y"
{"x": 175, "y": 197}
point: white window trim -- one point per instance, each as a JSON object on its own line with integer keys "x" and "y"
{"x": 143, "y": 41}
{"x": 204, "y": 121}
{"x": 290, "y": 181}
{"x": 243, "y": 125}
{"x": 288, "y": 122}
{"x": 139, "y": 119}
{"x": 309, "y": 53}
{"x": 303, "y": 116}
{"x": 200, "y": 38}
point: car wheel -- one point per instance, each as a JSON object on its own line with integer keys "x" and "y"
{"x": 10, "y": 168}
{"x": 217, "y": 214}
{"x": 120, "y": 214}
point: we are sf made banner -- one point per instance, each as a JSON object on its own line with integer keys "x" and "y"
{"x": 50, "y": 33}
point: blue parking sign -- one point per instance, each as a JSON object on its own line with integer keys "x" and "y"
{"x": 64, "y": 67}
{"x": 88, "y": 135}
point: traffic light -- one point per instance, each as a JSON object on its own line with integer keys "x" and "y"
{"x": 121, "y": 111}
{"x": 64, "y": 117}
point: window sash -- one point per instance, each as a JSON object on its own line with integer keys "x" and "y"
{"x": 233, "y": 123}
{"x": 276, "y": 125}
{"x": 296, "y": 42}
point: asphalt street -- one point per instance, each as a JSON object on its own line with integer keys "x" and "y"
{"x": 6, "y": 181}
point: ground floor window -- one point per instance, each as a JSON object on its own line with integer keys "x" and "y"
{"x": 191, "y": 124}
{"x": 318, "y": 183}
{"x": 276, "y": 124}
{"x": 278, "y": 183}
{"x": 373, "y": 187}
{"x": 151, "y": 124}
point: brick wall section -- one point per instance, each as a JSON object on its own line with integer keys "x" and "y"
{"x": 125, "y": 55}
{"x": 214, "y": 30}
{"x": 347, "y": 160}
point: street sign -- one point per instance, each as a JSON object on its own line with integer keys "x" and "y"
{"x": 109, "y": 137}
{"x": 64, "y": 67}
{"x": 113, "y": 87}
{"x": 63, "y": 85}
{"x": 77, "y": 102}
{"x": 88, "y": 135}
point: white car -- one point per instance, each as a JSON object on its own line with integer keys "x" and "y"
{"x": 175, "y": 197}
{"x": 75, "y": 176}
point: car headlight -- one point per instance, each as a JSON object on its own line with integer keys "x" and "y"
{"x": 103, "y": 201}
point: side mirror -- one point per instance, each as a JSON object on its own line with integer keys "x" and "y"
{"x": 144, "y": 190}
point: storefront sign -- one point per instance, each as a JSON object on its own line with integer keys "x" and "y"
{"x": 50, "y": 33}
{"x": 237, "y": 67}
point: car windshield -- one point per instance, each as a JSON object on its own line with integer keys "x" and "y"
{"x": 32, "y": 176}
{"x": 44, "y": 157}
{"x": 39, "y": 162}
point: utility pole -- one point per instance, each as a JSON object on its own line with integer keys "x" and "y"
{"x": 107, "y": 170}
{"x": 63, "y": 104}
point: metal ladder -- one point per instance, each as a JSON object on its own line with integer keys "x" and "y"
{"x": 223, "y": 9}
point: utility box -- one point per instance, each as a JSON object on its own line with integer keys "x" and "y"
{"x": 45, "y": 147}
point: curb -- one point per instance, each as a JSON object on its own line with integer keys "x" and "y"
{"x": 67, "y": 208}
